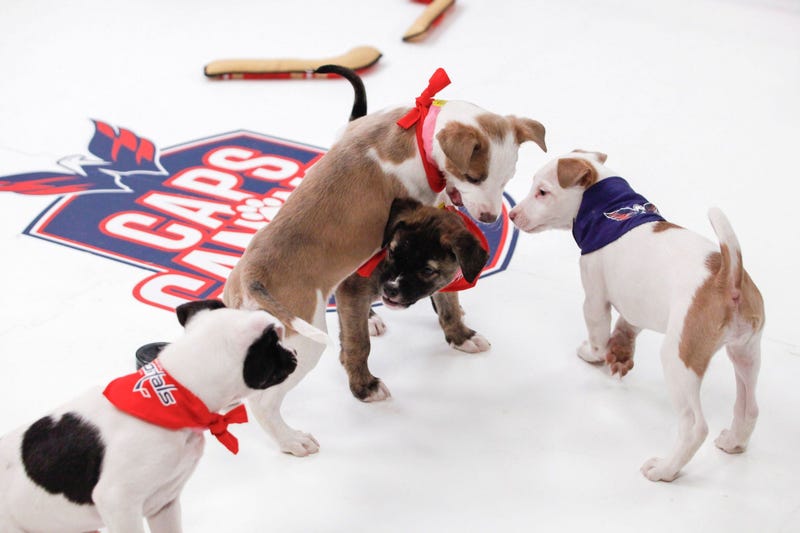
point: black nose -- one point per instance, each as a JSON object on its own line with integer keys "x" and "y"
{"x": 391, "y": 290}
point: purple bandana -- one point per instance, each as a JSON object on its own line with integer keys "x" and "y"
{"x": 609, "y": 210}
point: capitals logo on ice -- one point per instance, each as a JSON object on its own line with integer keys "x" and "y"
{"x": 184, "y": 213}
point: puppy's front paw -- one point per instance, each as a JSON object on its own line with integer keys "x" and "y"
{"x": 475, "y": 344}
{"x": 727, "y": 442}
{"x": 376, "y": 325}
{"x": 588, "y": 354}
{"x": 374, "y": 391}
{"x": 657, "y": 469}
{"x": 299, "y": 444}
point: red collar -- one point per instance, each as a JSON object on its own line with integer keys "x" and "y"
{"x": 417, "y": 115}
{"x": 459, "y": 283}
{"x": 153, "y": 395}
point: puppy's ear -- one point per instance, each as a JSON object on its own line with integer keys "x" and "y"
{"x": 471, "y": 256}
{"x": 600, "y": 156}
{"x": 189, "y": 309}
{"x": 267, "y": 362}
{"x": 460, "y": 143}
{"x": 401, "y": 208}
{"x": 527, "y": 129}
{"x": 575, "y": 172}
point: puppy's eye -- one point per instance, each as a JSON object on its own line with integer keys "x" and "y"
{"x": 428, "y": 272}
{"x": 542, "y": 193}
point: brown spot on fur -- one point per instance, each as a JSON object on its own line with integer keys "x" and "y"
{"x": 467, "y": 151}
{"x": 451, "y": 318}
{"x": 495, "y": 126}
{"x": 599, "y": 155}
{"x": 392, "y": 143}
{"x": 663, "y": 225}
{"x": 717, "y": 305}
{"x": 575, "y": 172}
{"x": 526, "y": 129}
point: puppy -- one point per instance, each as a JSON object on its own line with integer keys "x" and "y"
{"x": 90, "y": 464}
{"x": 334, "y": 221}
{"x": 426, "y": 249}
{"x": 661, "y": 277}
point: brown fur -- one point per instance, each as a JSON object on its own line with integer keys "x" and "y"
{"x": 718, "y": 306}
{"x": 467, "y": 151}
{"x": 663, "y": 225}
{"x": 302, "y": 250}
{"x": 575, "y": 172}
{"x": 600, "y": 155}
{"x": 621, "y": 347}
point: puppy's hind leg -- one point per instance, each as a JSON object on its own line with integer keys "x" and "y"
{"x": 746, "y": 360}
{"x": 684, "y": 388}
{"x": 456, "y": 333}
{"x": 167, "y": 520}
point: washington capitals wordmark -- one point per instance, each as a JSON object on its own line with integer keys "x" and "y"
{"x": 186, "y": 212}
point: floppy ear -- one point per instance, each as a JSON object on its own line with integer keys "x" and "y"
{"x": 601, "y": 157}
{"x": 471, "y": 256}
{"x": 267, "y": 362}
{"x": 189, "y": 309}
{"x": 574, "y": 172}
{"x": 527, "y": 129}
{"x": 460, "y": 143}
{"x": 401, "y": 208}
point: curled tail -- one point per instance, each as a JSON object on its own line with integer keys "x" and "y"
{"x": 731, "y": 270}
{"x": 360, "y": 97}
{"x": 275, "y": 308}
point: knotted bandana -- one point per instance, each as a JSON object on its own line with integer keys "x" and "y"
{"x": 153, "y": 395}
{"x": 417, "y": 116}
{"x": 609, "y": 210}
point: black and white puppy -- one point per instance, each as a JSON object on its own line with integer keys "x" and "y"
{"x": 88, "y": 465}
{"x": 425, "y": 249}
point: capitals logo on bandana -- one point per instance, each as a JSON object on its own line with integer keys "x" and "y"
{"x": 185, "y": 213}
{"x": 628, "y": 212}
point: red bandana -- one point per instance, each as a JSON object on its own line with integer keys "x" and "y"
{"x": 152, "y": 395}
{"x": 417, "y": 115}
{"x": 459, "y": 283}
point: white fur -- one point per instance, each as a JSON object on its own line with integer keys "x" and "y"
{"x": 651, "y": 294}
{"x": 145, "y": 466}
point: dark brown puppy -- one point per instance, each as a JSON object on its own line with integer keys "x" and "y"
{"x": 426, "y": 246}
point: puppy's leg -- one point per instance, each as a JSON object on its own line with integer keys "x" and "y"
{"x": 621, "y": 346}
{"x": 684, "y": 388}
{"x": 353, "y": 307}
{"x": 266, "y": 405}
{"x": 120, "y": 512}
{"x": 597, "y": 315}
{"x": 746, "y": 360}
{"x": 456, "y": 333}
{"x": 167, "y": 520}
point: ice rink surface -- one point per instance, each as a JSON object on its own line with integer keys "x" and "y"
{"x": 696, "y": 103}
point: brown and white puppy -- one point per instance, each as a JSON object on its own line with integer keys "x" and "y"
{"x": 661, "y": 277}
{"x": 426, "y": 247}
{"x": 335, "y": 220}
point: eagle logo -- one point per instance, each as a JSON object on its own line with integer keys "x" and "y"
{"x": 625, "y": 213}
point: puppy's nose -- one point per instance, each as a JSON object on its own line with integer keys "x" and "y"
{"x": 391, "y": 290}
{"x": 487, "y": 218}
{"x": 512, "y": 215}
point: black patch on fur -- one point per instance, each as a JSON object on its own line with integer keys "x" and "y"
{"x": 359, "y": 93}
{"x": 147, "y": 353}
{"x": 268, "y": 362}
{"x": 64, "y": 457}
{"x": 189, "y": 309}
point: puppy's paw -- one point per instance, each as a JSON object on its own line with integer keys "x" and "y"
{"x": 727, "y": 442}
{"x": 299, "y": 444}
{"x": 618, "y": 365}
{"x": 657, "y": 469}
{"x": 475, "y": 344}
{"x": 374, "y": 391}
{"x": 620, "y": 351}
{"x": 590, "y": 355}
{"x": 376, "y": 325}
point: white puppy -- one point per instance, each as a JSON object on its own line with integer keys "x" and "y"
{"x": 88, "y": 464}
{"x": 661, "y": 277}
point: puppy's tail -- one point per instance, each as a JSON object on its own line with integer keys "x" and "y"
{"x": 276, "y": 309}
{"x": 731, "y": 270}
{"x": 360, "y": 98}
